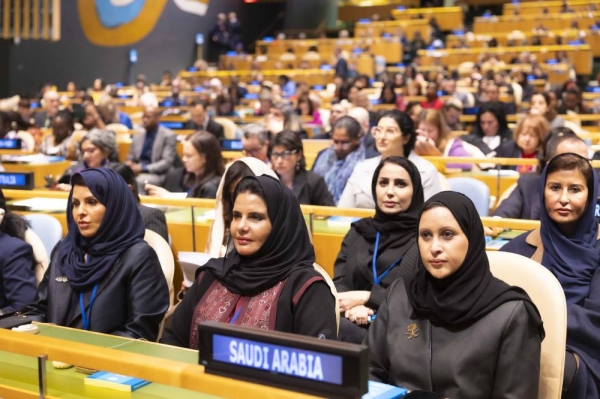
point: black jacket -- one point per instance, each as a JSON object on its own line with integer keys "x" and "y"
{"x": 174, "y": 184}
{"x": 131, "y": 301}
{"x": 310, "y": 189}
{"x": 497, "y": 356}
{"x": 524, "y": 201}
{"x": 212, "y": 127}
{"x": 154, "y": 219}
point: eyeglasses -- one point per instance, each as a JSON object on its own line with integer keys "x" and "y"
{"x": 388, "y": 131}
{"x": 252, "y": 151}
{"x": 285, "y": 155}
{"x": 346, "y": 145}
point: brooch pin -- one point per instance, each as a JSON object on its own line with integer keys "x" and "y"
{"x": 413, "y": 331}
{"x": 61, "y": 279}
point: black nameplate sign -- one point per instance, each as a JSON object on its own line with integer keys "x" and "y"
{"x": 11, "y": 144}
{"x": 16, "y": 180}
{"x": 294, "y": 362}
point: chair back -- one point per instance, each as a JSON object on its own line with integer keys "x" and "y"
{"x": 506, "y": 193}
{"x": 444, "y": 182}
{"x": 229, "y": 127}
{"x": 475, "y": 189}
{"x": 547, "y": 294}
{"x": 165, "y": 257}
{"x": 47, "y": 228}
{"x": 117, "y": 128}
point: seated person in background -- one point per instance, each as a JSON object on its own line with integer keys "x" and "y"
{"x": 225, "y": 106}
{"x": 528, "y": 89}
{"x": 5, "y": 127}
{"x": 572, "y": 100}
{"x": 336, "y": 112}
{"x": 17, "y": 262}
{"x": 264, "y": 282}
{"x": 97, "y": 148}
{"x": 366, "y": 139}
{"x": 51, "y": 105}
{"x": 256, "y": 141}
{"x": 203, "y": 166}
{"x": 433, "y": 139}
{"x": 154, "y": 219}
{"x": 153, "y": 152}
{"x": 200, "y": 120}
{"x": 288, "y": 87}
{"x": 523, "y": 202}
{"x": 526, "y": 143}
{"x": 490, "y": 128}
{"x": 414, "y": 110}
{"x": 337, "y": 162}
{"x": 287, "y": 160}
{"x": 283, "y": 117}
{"x": 305, "y": 107}
{"x": 103, "y": 276}
{"x": 111, "y": 113}
{"x": 542, "y": 104}
{"x": 470, "y": 335}
{"x": 394, "y": 136}
{"x": 379, "y": 250}
{"x": 92, "y": 119}
{"x": 452, "y": 111}
{"x": 431, "y": 97}
{"x": 218, "y": 236}
{"x": 567, "y": 244}
{"x": 60, "y": 141}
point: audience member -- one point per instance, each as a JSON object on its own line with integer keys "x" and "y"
{"x": 51, "y": 106}
{"x": 379, "y": 250}
{"x": 336, "y": 112}
{"x": 60, "y": 141}
{"x": 337, "y": 162}
{"x": 287, "y": 160}
{"x": 255, "y": 142}
{"x": 262, "y": 267}
{"x": 526, "y": 142}
{"x": 394, "y": 136}
{"x": 461, "y": 313}
{"x": 201, "y": 120}
{"x": 153, "y": 152}
{"x": 542, "y": 104}
{"x": 490, "y": 129}
{"x": 283, "y": 117}
{"x": 367, "y": 139}
{"x": 103, "y": 276}
{"x": 567, "y": 244}
{"x": 203, "y": 166}
{"x": 452, "y": 112}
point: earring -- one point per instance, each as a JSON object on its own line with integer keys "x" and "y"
{"x": 298, "y": 166}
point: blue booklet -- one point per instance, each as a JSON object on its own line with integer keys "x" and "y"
{"x": 379, "y": 390}
{"x": 119, "y": 382}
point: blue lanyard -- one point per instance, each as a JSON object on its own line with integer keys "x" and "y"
{"x": 235, "y": 316}
{"x": 86, "y": 317}
{"x": 377, "y": 278}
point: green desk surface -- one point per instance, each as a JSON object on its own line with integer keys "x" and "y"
{"x": 21, "y": 371}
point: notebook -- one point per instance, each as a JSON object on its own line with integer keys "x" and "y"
{"x": 118, "y": 382}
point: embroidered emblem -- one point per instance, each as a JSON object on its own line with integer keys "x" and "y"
{"x": 413, "y": 331}
{"x": 61, "y": 279}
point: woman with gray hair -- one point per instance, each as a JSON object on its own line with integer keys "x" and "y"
{"x": 96, "y": 149}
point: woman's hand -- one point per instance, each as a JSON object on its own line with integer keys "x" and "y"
{"x": 155, "y": 191}
{"x": 492, "y": 231}
{"x": 63, "y": 187}
{"x": 426, "y": 146}
{"x": 351, "y": 299}
{"x": 359, "y": 314}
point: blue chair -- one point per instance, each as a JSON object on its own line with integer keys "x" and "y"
{"x": 475, "y": 189}
{"x": 47, "y": 228}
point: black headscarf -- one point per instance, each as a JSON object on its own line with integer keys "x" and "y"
{"x": 472, "y": 291}
{"x": 121, "y": 227}
{"x": 286, "y": 249}
{"x": 397, "y": 230}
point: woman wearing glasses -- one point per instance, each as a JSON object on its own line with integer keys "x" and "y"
{"x": 287, "y": 160}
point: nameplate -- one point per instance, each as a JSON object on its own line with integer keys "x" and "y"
{"x": 16, "y": 180}
{"x": 172, "y": 125}
{"x": 315, "y": 366}
{"x": 231, "y": 145}
{"x": 10, "y": 144}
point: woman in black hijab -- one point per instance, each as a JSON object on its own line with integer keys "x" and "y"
{"x": 267, "y": 281}
{"x": 103, "y": 276}
{"x": 379, "y": 250}
{"x": 454, "y": 328}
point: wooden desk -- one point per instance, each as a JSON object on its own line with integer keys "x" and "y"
{"x": 312, "y": 77}
{"x": 39, "y": 170}
{"x": 353, "y": 10}
{"x": 553, "y": 7}
{"x": 394, "y": 28}
{"x": 580, "y": 56}
{"x": 448, "y": 18}
{"x": 175, "y": 372}
{"x": 528, "y": 22}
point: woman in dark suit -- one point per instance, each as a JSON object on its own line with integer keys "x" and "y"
{"x": 567, "y": 243}
{"x": 203, "y": 167}
{"x": 287, "y": 159}
{"x": 103, "y": 276}
{"x": 454, "y": 328}
{"x": 379, "y": 250}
